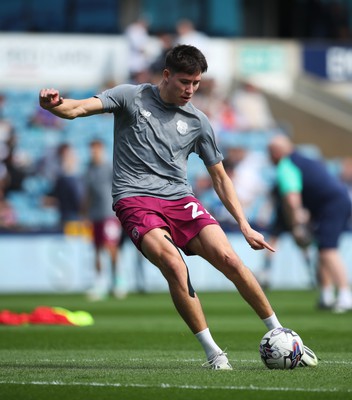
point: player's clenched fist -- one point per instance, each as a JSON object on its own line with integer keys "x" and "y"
{"x": 49, "y": 98}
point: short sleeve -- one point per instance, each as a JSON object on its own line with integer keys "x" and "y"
{"x": 116, "y": 98}
{"x": 289, "y": 177}
{"x": 206, "y": 147}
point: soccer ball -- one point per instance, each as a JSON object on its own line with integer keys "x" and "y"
{"x": 281, "y": 348}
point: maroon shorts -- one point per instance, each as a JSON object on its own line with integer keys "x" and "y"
{"x": 107, "y": 232}
{"x": 183, "y": 218}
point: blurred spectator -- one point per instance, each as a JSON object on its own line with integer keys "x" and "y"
{"x": 346, "y": 174}
{"x": 43, "y": 119}
{"x": 246, "y": 169}
{"x": 252, "y": 108}
{"x": 5, "y": 134}
{"x": 346, "y": 177}
{"x": 188, "y": 34}
{"x": 138, "y": 38}
{"x": 225, "y": 119}
{"x": 67, "y": 191}
{"x": 225, "y": 219}
{"x": 313, "y": 197}
{"x": 6, "y": 130}
{"x": 252, "y": 188}
{"x": 13, "y": 171}
{"x": 7, "y": 214}
{"x": 48, "y": 165}
{"x": 2, "y": 103}
{"x": 16, "y": 167}
{"x": 107, "y": 230}
{"x": 158, "y": 63}
{"x": 277, "y": 227}
{"x": 206, "y": 98}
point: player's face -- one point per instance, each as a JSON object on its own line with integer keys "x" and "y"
{"x": 180, "y": 87}
{"x": 97, "y": 152}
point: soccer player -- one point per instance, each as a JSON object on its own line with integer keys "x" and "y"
{"x": 107, "y": 231}
{"x": 313, "y": 196}
{"x": 156, "y": 128}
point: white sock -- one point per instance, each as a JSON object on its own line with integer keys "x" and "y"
{"x": 344, "y": 297}
{"x": 327, "y": 295}
{"x": 208, "y": 343}
{"x": 272, "y": 322}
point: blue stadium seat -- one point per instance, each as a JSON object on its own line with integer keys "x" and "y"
{"x": 95, "y": 16}
{"x": 13, "y": 16}
{"x": 48, "y": 16}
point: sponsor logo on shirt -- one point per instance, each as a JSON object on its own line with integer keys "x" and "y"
{"x": 182, "y": 127}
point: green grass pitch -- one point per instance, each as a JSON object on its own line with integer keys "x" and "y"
{"x": 139, "y": 348}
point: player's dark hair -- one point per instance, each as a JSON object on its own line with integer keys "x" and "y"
{"x": 61, "y": 149}
{"x": 96, "y": 142}
{"x": 187, "y": 59}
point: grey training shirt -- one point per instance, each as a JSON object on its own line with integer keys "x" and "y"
{"x": 152, "y": 142}
{"x": 98, "y": 186}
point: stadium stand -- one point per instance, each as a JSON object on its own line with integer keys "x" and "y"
{"x": 13, "y": 16}
{"x": 91, "y": 15}
{"x": 36, "y": 144}
{"x": 47, "y": 16}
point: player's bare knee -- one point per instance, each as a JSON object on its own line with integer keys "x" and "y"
{"x": 231, "y": 259}
{"x": 232, "y": 266}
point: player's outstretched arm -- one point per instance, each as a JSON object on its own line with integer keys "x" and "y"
{"x": 227, "y": 194}
{"x": 50, "y": 100}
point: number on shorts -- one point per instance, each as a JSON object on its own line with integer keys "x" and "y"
{"x": 195, "y": 212}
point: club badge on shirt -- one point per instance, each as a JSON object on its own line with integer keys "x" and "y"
{"x": 182, "y": 127}
{"x": 144, "y": 115}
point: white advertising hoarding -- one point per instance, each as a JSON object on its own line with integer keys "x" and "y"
{"x": 29, "y": 60}
{"x": 86, "y": 61}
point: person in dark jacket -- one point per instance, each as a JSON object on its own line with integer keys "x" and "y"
{"x": 312, "y": 196}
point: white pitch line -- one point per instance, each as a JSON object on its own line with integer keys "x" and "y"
{"x": 342, "y": 362}
{"x": 187, "y": 387}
